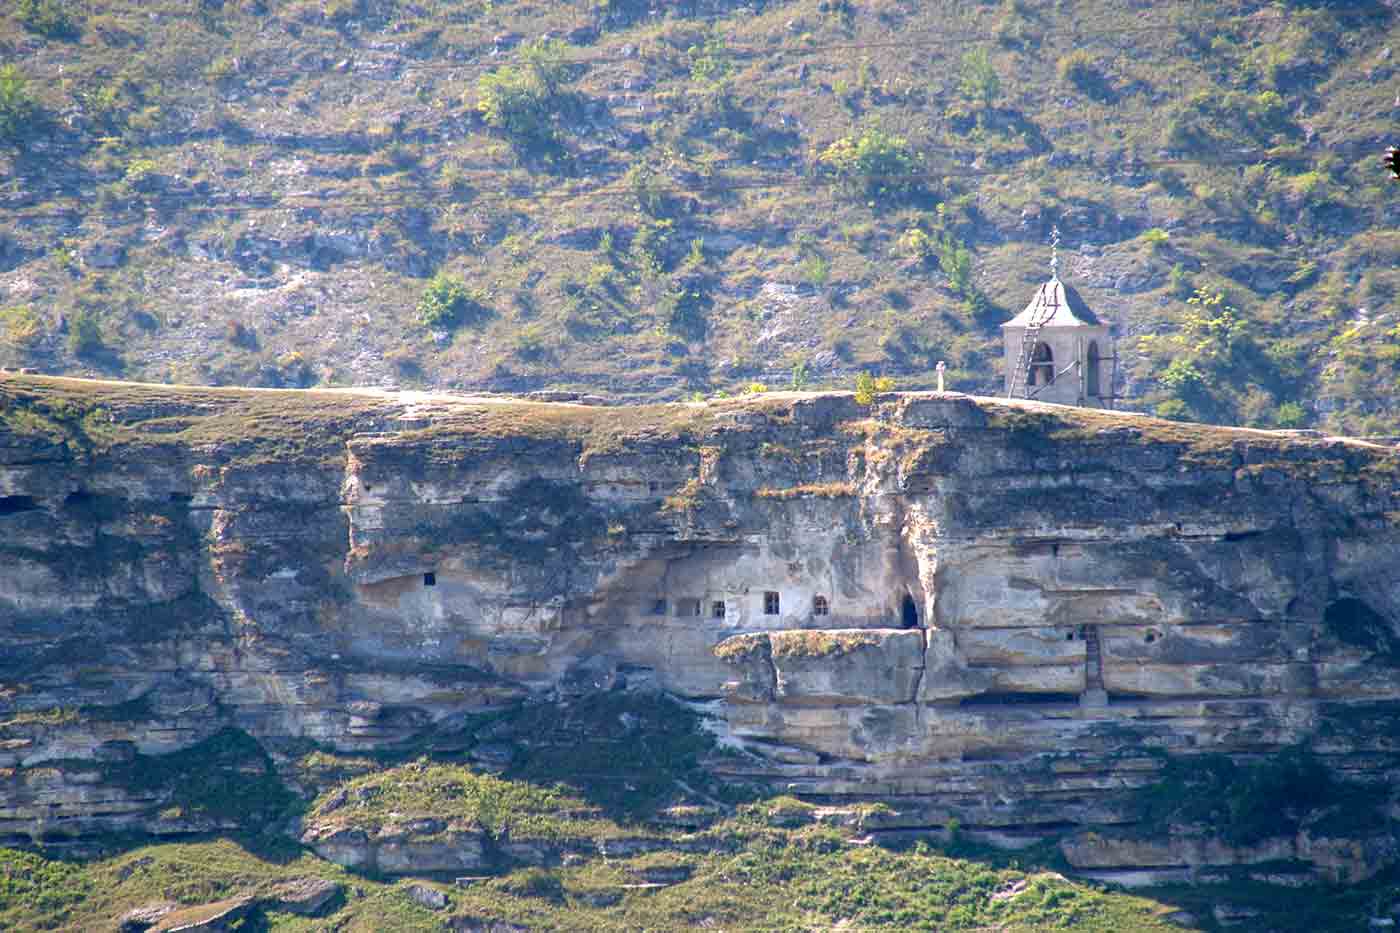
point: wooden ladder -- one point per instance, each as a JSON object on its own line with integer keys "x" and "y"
{"x": 1045, "y": 310}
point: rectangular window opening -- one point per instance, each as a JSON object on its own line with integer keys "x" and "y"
{"x": 717, "y": 609}
{"x": 770, "y": 603}
{"x": 430, "y": 579}
{"x": 658, "y": 608}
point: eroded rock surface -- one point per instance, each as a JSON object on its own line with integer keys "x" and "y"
{"x": 1010, "y": 614}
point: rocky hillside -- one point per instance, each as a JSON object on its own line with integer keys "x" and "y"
{"x": 1143, "y": 652}
{"x": 658, "y": 200}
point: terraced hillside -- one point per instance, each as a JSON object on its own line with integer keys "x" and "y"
{"x": 655, "y": 199}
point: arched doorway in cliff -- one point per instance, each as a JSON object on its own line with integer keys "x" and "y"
{"x": 908, "y": 612}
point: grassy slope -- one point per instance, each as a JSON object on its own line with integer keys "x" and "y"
{"x": 365, "y": 116}
{"x": 752, "y": 863}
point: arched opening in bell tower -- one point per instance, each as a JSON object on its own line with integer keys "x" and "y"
{"x": 1042, "y": 371}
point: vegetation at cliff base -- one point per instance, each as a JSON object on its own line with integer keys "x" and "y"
{"x": 566, "y": 853}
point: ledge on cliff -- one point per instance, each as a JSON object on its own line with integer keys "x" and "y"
{"x": 43, "y": 417}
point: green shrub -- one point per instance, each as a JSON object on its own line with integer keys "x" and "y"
{"x": 1080, "y": 69}
{"x": 868, "y": 386}
{"x": 875, "y": 164}
{"x": 47, "y": 887}
{"x": 980, "y": 82}
{"x": 816, "y": 270}
{"x": 1155, "y": 237}
{"x": 529, "y": 342}
{"x": 85, "y": 333}
{"x": 652, "y": 246}
{"x": 1173, "y": 409}
{"x": 342, "y": 11}
{"x": 1291, "y": 415}
{"x": 447, "y": 302}
{"x": 649, "y": 187}
{"x": 1219, "y": 118}
{"x": 532, "y": 882}
{"x": 19, "y": 111}
{"x": 1178, "y": 282}
{"x": 1247, "y": 803}
{"x": 682, "y": 307}
{"x": 955, "y": 260}
{"x": 709, "y": 63}
{"x": 523, "y": 101}
{"x": 800, "y": 378}
{"x": 48, "y": 18}
{"x": 20, "y": 326}
{"x": 917, "y": 243}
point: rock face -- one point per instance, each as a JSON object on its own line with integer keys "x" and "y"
{"x": 1006, "y": 613}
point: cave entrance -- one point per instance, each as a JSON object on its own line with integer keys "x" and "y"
{"x": 908, "y": 612}
{"x": 1355, "y": 623}
{"x": 13, "y": 505}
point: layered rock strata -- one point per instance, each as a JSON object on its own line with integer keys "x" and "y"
{"x": 1010, "y": 614}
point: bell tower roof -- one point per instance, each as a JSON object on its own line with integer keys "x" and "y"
{"x": 1056, "y": 305}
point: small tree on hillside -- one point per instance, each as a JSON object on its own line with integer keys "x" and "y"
{"x": 522, "y": 101}
{"x": 18, "y": 108}
{"x": 446, "y": 302}
{"x": 876, "y": 165}
{"x": 980, "y": 82}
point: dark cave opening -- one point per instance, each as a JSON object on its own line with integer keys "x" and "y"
{"x": 12, "y": 505}
{"x": 909, "y": 612}
{"x": 1355, "y": 623}
{"x": 1018, "y": 698}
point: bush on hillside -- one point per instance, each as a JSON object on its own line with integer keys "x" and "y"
{"x": 523, "y": 101}
{"x": 19, "y": 111}
{"x": 876, "y": 165}
{"x": 1082, "y": 70}
{"x": 20, "y": 326}
{"x": 868, "y": 386}
{"x": 447, "y": 302}
{"x": 652, "y": 190}
{"x": 48, "y": 18}
{"x": 85, "y": 333}
{"x": 980, "y": 82}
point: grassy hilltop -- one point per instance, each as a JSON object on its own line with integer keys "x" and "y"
{"x": 658, "y": 200}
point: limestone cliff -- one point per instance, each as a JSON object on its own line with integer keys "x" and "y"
{"x": 1010, "y": 614}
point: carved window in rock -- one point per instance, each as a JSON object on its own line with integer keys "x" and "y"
{"x": 430, "y": 579}
{"x": 687, "y": 608}
{"x": 820, "y": 607}
{"x": 658, "y": 607}
{"x": 1042, "y": 371}
{"x": 770, "y": 603}
{"x": 717, "y": 609}
{"x": 1091, "y": 374}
